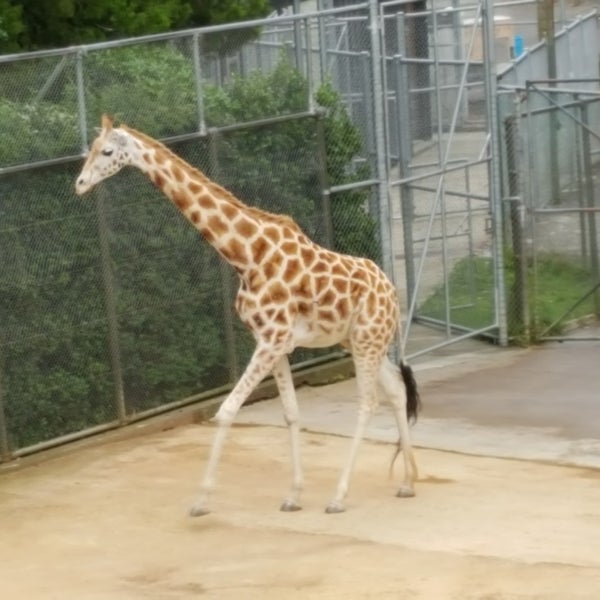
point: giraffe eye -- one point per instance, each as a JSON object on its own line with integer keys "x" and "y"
{"x": 107, "y": 151}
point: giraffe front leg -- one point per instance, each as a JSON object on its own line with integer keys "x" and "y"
{"x": 285, "y": 385}
{"x": 261, "y": 364}
{"x": 199, "y": 508}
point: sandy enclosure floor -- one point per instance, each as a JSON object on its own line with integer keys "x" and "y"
{"x": 109, "y": 522}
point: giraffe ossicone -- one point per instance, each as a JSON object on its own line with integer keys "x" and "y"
{"x": 292, "y": 293}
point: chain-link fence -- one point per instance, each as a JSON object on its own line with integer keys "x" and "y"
{"x": 372, "y": 125}
{"x": 111, "y": 307}
{"x": 552, "y": 152}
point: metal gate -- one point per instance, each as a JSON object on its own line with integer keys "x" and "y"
{"x": 443, "y": 172}
{"x": 552, "y": 149}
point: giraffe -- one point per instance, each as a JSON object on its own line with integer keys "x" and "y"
{"x": 292, "y": 292}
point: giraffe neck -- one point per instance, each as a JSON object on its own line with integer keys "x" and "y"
{"x": 243, "y": 235}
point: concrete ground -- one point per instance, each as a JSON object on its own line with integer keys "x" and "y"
{"x": 507, "y": 505}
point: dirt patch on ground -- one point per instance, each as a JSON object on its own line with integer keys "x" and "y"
{"x": 109, "y": 522}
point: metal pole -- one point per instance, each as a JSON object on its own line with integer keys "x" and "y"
{"x": 545, "y": 14}
{"x": 442, "y": 185}
{"x": 379, "y": 131}
{"x": 519, "y": 288}
{"x": 110, "y": 305}
{"x": 196, "y": 40}
{"x": 579, "y": 186}
{"x": 494, "y": 166}
{"x": 590, "y": 203}
{"x": 323, "y": 180}
{"x": 226, "y": 275}
{"x": 404, "y": 152}
{"x": 4, "y": 445}
{"x": 323, "y": 46}
{"x": 309, "y": 67}
{"x": 81, "y": 109}
{"x": 298, "y": 36}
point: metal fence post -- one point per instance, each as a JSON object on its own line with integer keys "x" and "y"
{"x": 519, "y": 288}
{"x": 385, "y": 221}
{"x": 233, "y": 365}
{"x": 4, "y": 445}
{"x": 590, "y": 203}
{"x": 81, "y": 101}
{"x": 298, "y": 36}
{"x": 198, "y": 81}
{"x": 494, "y": 166}
{"x": 323, "y": 180}
{"x": 110, "y": 305}
{"x": 404, "y": 154}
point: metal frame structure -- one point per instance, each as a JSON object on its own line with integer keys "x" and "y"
{"x": 435, "y": 185}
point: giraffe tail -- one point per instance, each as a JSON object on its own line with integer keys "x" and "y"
{"x": 413, "y": 401}
{"x": 413, "y": 404}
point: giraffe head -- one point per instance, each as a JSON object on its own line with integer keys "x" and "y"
{"x": 110, "y": 152}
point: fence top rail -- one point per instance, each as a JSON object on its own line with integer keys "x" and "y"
{"x": 191, "y": 32}
{"x": 511, "y": 89}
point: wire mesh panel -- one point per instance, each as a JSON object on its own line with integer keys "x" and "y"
{"x": 54, "y": 357}
{"x": 440, "y": 152}
{"x": 38, "y": 109}
{"x": 111, "y": 305}
{"x": 552, "y": 147}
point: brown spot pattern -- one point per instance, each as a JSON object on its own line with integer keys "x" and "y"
{"x": 277, "y": 292}
{"x": 237, "y": 251}
{"x": 207, "y": 202}
{"x": 342, "y": 308}
{"x": 259, "y": 248}
{"x": 308, "y": 256}
{"x": 246, "y": 228}
{"x": 178, "y": 173}
{"x": 292, "y": 269}
{"x": 273, "y": 234}
{"x": 217, "y": 225}
{"x": 181, "y": 200}
{"x": 194, "y": 187}
{"x": 289, "y": 247}
{"x": 229, "y": 211}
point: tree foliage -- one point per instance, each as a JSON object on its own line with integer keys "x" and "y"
{"x": 35, "y": 24}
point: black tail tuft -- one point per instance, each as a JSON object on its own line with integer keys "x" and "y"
{"x": 413, "y": 402}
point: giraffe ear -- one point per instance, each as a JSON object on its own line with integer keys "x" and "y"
{"x": 107, "y": 122}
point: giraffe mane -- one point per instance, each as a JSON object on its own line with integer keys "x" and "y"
{"x": 254, "y": 211}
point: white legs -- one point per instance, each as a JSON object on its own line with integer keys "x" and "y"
{"x": 287, "y": 393}
{"x": 367, "y": 394}
{"x": 391, "y": 383}
{"x": 337, "y": 504}
{"x": 261, "y": 364}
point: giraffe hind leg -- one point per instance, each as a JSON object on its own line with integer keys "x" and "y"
{"x": 367, "y": 392}
{"x": 389, "y": 378}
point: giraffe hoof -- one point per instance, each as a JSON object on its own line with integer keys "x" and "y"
{"x": 405, "y": 492}
{"x": 198, "y": 511}
{"x": 289, "y": 506}
{"x": 334, "y": 507}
